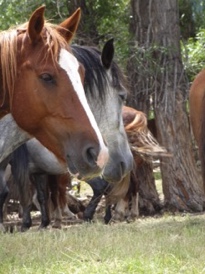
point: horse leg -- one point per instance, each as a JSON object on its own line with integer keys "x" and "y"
{"x": 26, "y": 202}
{"x": 108, "y": 214}
{"x": 135, "y": 206}
{"x": 53, "y": 183}
{"x": 134, "y": 191}
{"x": 26, "y": 218}
{"x": 91, "y": 207}
{"x": 5, "y": 173}
{"x": 4, "y": 191}
{"x": 120, "y": 210}
{"x": 99, "y": 187}
{"x": 63, "y": 181}
{"x": 40, "y": 182}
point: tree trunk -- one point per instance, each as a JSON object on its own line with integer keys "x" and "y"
{"x": 149, "y": 202}
{"x": 162, "y": 81}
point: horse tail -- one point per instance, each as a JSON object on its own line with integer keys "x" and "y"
{"x": 202, "y": 143}
{"x": 20, "y": 171}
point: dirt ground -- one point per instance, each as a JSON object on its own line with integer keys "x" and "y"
{"x": 13, "y": 220}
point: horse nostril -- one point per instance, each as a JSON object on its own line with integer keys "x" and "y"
{"x": 91, "y": 155}
{"x": 123, "y": 168}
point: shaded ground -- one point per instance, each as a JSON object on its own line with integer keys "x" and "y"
{"x": 13, "y": 221}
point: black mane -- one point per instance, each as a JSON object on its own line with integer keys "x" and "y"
{"x": 96, "y": 76}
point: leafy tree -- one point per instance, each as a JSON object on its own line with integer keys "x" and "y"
{"x": 193, "y": 54}
{"x": 101, "y": 19}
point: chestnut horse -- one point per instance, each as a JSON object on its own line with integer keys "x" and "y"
{"x": 105, "y": 91}
{"x": 41, "y": 86}
{"x": 197, "y": 116}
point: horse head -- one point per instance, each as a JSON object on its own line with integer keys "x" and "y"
{"x": 106, "y": 93}
{"x": 43, "y": 89}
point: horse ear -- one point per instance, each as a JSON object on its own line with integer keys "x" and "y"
{"x": 108, "y": 53}
{"x": 36, "y": 24}
{"x": 69, "y": 26}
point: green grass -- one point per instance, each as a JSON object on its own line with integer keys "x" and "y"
{"x": 172, "y": 244}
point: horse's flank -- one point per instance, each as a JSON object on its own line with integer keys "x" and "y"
{"x": 197, "y": 115}
{"x": 11, "y": 136}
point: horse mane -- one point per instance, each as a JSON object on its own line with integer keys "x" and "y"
{"x": 95, "y": 73}
{"x": 8, "y": 52}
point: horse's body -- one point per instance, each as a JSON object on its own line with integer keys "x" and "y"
{"x": 105, "y": 93}
{"x": 41, "y": 86}
{"x": 197, "y": 115}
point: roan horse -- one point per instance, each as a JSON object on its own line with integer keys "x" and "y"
{"x": 143, "y": 146}
{"x": 197, "y": 116}
{"x": 41, "y": 86}
{"x": 105, "y": 91}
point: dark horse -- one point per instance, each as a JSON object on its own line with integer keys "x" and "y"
{"x": 105, "y": 92}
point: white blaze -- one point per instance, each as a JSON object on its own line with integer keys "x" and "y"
{"x": 70, "y": 64}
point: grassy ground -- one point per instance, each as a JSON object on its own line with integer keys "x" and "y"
{"x": 169, "y": 244}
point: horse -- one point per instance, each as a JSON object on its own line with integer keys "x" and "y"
{"x": 105, "y": 91}
{"x": 197, "y": 119}
{"x": 41, "y": 87}
{"x": 143, "y": 146}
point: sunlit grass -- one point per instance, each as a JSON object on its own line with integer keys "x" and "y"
{"x": 172, "y": 244}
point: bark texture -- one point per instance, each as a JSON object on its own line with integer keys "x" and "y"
{"x": 159, "y": 83}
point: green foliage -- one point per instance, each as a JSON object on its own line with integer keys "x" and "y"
{"x": 14, "y": 12}
{"x": 198, "y": 9}
{"x": 113, "y": 22}
{"x": 110, "y": 18}
{"x": 193, "y": 54}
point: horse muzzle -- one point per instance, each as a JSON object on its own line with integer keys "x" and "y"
{"x": 88, "y": 163}
{"x": 118, "y": 167}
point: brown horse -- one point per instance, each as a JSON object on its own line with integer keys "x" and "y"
{"x": 197, "y": 117}
{"x": 41, "y": 86}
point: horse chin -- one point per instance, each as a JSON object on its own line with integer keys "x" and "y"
{"x": 82, "y": 172}
{"x": 114, "y": 177}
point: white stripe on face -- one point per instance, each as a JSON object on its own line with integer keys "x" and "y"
{"x": 70, "y": 64}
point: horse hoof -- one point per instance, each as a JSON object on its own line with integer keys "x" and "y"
{"x": 80, "y": 215}
{"x": 24, "y": 228}
{"x": 42, "y": 227}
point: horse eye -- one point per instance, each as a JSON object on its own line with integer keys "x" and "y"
{"x": 123, "y": 96}
{"x": 48, "y": 78}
